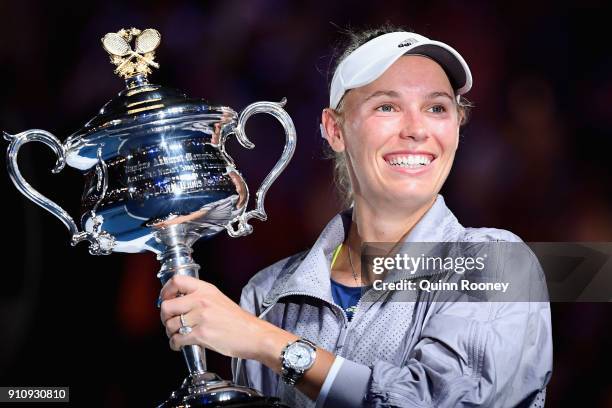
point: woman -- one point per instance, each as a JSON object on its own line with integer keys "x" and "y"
{"x": 300, "y": 333}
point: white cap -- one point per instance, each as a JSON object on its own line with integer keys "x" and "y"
{"x": 372, "y": 59}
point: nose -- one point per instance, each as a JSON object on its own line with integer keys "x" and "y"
{"x": 413, "y": 126}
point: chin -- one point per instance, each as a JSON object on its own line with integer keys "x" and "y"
{"x": 411, "y": 199}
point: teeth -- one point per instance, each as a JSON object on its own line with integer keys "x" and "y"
{"x": 410, "y": 161}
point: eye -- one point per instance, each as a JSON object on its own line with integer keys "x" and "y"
{"x": 386, "y": 108}
{"x": 437, "y": 109}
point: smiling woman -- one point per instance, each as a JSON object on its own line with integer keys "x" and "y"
{"x": 405, "y": 123}
{"x": 357, "y": 39}
{"x": 302, "y": 332}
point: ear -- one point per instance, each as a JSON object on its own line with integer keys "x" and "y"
{"x": 332, "y": 131}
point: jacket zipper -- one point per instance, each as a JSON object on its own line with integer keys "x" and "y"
{"x": 275, "y": 301}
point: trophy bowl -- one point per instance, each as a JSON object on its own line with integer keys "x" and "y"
{"x": 158, "y": 178}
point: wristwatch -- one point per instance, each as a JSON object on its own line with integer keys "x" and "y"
{"x": 296, "y": 358}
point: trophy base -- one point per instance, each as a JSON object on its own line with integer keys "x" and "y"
{"x": 209, "y": 390}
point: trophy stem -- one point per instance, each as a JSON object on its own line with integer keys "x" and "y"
{"x": 176, "y": 259}
{"x": 201, "y": 388}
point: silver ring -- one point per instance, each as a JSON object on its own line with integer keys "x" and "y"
{"x": 184, "y": 329}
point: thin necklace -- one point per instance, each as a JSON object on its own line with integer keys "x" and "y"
{"x": 351, "y": 262}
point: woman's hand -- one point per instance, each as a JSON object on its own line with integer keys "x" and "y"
{"x": 221, "y": 325}
{"x": 217, "y": 322}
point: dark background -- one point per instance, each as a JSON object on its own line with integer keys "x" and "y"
{"x": 534, "y": 159}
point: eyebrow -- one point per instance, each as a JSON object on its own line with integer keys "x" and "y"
{"x": 394, "y": 94}
{"x": 438, "y": 94}
{"x": 391, "y": 94}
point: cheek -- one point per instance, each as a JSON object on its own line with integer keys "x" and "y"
{"x": 447, "y": 136}
{"x": 364, "y": 139}
{"x": 359, "y": 138}
{"x": 385, "y": 126}
{"x": 370, "y": 134}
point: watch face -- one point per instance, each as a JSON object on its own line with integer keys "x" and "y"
{"x": 299, "y": 356}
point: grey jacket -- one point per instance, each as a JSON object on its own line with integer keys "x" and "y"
{"x": 418, "y": 353}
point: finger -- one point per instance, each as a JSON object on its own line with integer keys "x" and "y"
{"x": 174, "y": 323}
{"x": 178, "y": 340}
{"x": 195, "y": 337}
{"x": 176, "y": 306}
{"x": 179, "y": 284}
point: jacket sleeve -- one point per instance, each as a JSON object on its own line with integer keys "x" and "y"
{"x": 458, "y": 362}
{"x": 493, "y": 354}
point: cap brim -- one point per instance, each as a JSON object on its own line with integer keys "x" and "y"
{"x": 453, "y": 64}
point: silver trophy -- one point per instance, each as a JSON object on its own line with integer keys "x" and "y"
{"x": 158, "y": 178}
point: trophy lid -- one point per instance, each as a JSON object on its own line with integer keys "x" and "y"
{"x": 141, "y": 104}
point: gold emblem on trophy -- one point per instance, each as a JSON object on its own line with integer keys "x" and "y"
{"x": 132, "y": 62}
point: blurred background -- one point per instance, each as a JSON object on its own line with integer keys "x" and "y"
{"x": 533, "y": 159}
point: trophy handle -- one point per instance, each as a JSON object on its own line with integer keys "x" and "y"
{"x": 275, "y": 109}
{"x": 101, "y": 242}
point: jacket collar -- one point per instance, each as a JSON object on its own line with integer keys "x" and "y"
{"x": 311, "y": 277}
